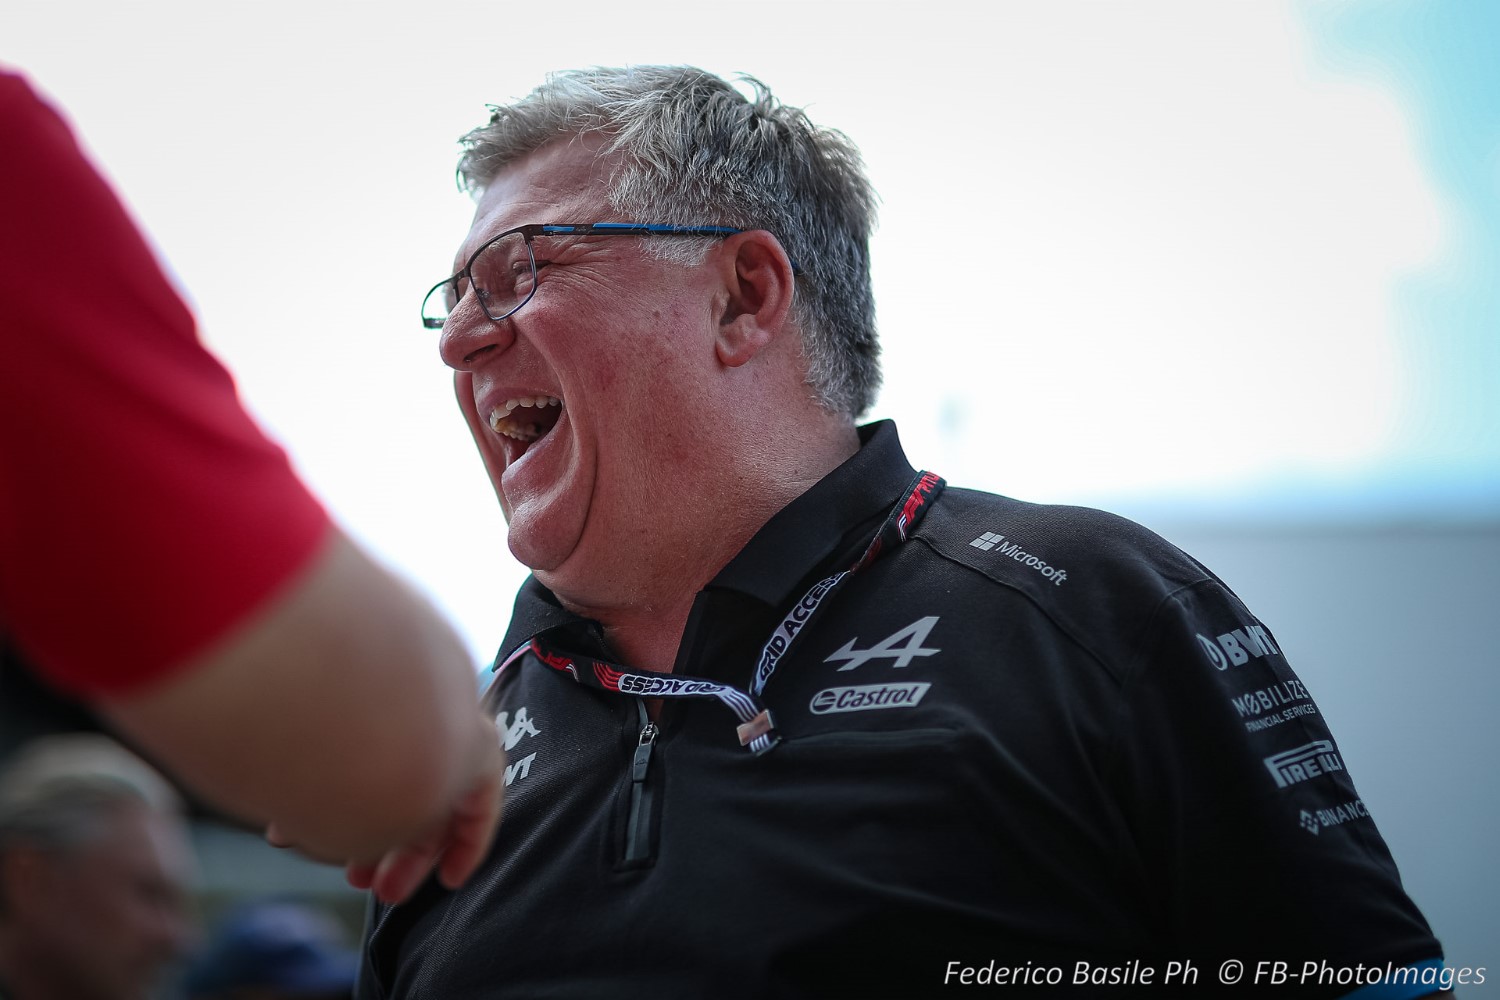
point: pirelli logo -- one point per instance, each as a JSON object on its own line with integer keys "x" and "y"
{"x": 1304, "y": 763}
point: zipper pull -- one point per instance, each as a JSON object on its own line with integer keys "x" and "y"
{"x": 642, "y": 759}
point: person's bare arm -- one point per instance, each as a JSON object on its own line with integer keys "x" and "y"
{"x": 345, "y": 711}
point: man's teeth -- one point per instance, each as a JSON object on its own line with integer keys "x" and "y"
{"x": 504, "y": 419}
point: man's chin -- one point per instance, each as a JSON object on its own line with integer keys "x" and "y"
{"x": 529, "y": 556}
{"x": 541, "y": 551}
{"x": 570, "y": 577}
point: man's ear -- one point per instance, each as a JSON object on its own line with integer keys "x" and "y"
{"x": 759, "y": 284}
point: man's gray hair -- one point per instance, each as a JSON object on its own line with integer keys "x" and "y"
{"x": 694, "y": 150}
{"x": 57, "y": 791}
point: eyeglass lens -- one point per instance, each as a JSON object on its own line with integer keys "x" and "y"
{"x": 503, "y": 277}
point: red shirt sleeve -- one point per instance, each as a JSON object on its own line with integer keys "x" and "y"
{"x": 142, "y": 511}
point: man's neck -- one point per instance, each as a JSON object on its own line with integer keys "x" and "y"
{"x": 644, "y": 629}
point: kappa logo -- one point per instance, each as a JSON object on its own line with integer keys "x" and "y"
{"x": 903, "y": 646}
{"x": 510, "y": 734}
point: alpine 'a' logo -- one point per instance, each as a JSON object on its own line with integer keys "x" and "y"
{"x": 902, "y": 646}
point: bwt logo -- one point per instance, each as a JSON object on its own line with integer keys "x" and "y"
{"x": 1304, "y": 763}
{"x": 1237, "y": 647}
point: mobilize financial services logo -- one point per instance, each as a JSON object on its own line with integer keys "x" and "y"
{"x": 989, "y": 540}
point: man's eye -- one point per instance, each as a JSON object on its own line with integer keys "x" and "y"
{"x": 520, "y": 276}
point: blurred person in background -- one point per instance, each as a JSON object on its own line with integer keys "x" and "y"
{"x": 162, "y": 562}
{"x": 95, "y": 873}
{"x": 274, "y": 950}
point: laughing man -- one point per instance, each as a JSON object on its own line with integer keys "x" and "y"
{"x": 786, "y": 716}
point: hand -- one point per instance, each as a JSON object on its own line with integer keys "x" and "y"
{"x": 456, "y": 847}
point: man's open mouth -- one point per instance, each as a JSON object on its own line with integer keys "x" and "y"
{"x": 526, "y": 418}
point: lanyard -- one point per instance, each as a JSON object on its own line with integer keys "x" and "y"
{"x": 756, "y": 728}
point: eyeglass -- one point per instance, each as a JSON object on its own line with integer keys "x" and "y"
{"x": 502, "y": 273}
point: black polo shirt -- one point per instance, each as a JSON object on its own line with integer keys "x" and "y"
{"x": 1028, "y": 738}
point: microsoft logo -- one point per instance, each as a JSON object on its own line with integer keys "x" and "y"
{"x": 987, "y": 541}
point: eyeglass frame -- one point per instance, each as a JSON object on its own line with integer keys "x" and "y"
{"x": 531, "y": 231}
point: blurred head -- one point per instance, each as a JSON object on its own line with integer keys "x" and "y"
{"x": 687, "y": 148}
{"x": 94, "y": 872}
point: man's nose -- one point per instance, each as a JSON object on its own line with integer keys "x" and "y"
{"x": 469, "y": 337}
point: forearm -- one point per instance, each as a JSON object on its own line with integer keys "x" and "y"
{"x": 344, "y": 711}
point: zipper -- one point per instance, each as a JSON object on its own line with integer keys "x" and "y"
{"x": 639, "y": 828}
